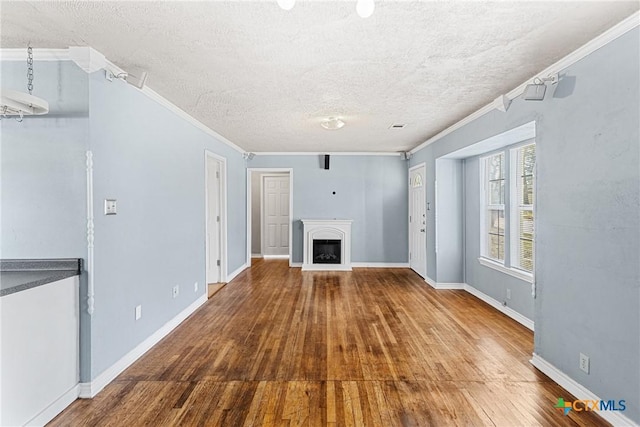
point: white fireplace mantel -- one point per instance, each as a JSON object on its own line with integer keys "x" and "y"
{"x": 329, "y": 229}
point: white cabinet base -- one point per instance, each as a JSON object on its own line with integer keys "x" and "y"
{"x": 39, "y": 352}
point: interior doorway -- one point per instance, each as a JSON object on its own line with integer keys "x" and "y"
{"x": 274, "y": 216}
{"x": 417, "y": 221}
{"x": 215, "y": 218}
{"x": 270, "y": 208}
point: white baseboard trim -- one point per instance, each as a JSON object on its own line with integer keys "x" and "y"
{"x": 525, "y": 321}
{"x": 233, "y": 274}
{"x": 59, "y": 405}
{"x": 365, "y": 264}
{"x": 275, "y": 256}
{"x": 89, "y": 390}
{"x": 380, "y": 264}
{"x": 256, "y": 255}
{"x": 443, "y": 285}
{"x": 578, "y": 390}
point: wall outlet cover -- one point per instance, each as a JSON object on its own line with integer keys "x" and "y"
{"x": 584, "y": 363}
{"x": 138, "y": 312}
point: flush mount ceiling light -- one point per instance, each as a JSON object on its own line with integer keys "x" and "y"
{"x": 14, "y": 103}
{"x": 286, "y": 4}
{"x": 365, "y": 8}
{"x": 332, "y": 123}
{"x": 537, "y": 90}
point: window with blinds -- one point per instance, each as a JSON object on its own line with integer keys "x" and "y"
{"x": 508, "y": 225}
{"x": 523, "y": 233}
{"x": 495, "y": 184}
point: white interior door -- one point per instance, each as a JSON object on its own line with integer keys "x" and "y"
{"x": 275, "y": 215}
{"x": 417, "y": 221}
{"x": 213, "y": 220}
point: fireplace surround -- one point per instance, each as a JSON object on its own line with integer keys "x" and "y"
{"x": 327, "y": 244}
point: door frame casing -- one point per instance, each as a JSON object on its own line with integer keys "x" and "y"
{"x": 250, "y": 208}
{"x": 222, "y": 194}
{"x": 411, "y": 169}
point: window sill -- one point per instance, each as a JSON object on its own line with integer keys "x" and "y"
{"x": 518, "y": 274}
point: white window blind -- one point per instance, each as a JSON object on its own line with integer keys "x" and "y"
{"x": 495, "y": 186}
{"x": 523, "y": 224}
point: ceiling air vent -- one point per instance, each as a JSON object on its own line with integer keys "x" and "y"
{"x": 397, "y": 126}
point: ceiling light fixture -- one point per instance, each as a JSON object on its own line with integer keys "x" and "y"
{"x": 536, "y": 90}
{"x": 332, "y": 123}
{"x": 365, "y": 8}
{"x": 286, "y": 4}
{"x": 14, "y": 103}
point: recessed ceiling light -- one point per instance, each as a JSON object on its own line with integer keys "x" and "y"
{"x": 332, "y": 123}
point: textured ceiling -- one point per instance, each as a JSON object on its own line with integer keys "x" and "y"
{"x": 265, "y": 78}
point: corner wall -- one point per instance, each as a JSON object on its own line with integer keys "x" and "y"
{"x": 152, "y": 162}
{"x": 587, "y": 223}
{"x": 43, "y": 188}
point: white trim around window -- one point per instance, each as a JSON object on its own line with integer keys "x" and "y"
{"x": 510, "y": 196}
{"x": 514, "y": 272}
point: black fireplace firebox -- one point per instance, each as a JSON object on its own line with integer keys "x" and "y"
{"x": 326, "y": 251}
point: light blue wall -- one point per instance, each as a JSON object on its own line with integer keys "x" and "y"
{"x": 43, "y": 165}
{"x": 152, "y": 162}
{"x": 587, "y": 222}
{"x": 449, "y": 202}
{"x": 491, "y": 282}
{"x": 147, "y": 158}
{"x": 370, "y": 190}
{"x": 42, "y": 175}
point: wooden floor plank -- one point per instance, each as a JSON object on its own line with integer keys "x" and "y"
{"x": 372, "y": 347}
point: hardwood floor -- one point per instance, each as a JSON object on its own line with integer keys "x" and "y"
{"x": 373, "y": 347}
{"x": 213, "y": 288}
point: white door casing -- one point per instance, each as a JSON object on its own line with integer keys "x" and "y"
{"x": 275, "y": 215}
{"x": 213, "y": 218}
{"x": 417, "y": 220}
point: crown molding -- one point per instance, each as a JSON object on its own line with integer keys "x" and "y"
{"x": 189, "y": 118}
{"x": 608, "y": 36}
{"x": 90, "y": 60}
{"x": 114, "y": 69}
{"x": 330, "y": 153}
{"x": 87, "y": 58}
{"x": 38, "y": 55}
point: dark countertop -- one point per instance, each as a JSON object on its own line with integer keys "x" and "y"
{"x": 20, "y": 275}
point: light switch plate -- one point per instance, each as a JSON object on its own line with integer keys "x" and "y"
{"x": 110, "y": 207}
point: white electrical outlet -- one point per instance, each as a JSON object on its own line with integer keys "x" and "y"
{"x": 138, "y": 312}
{"x": 176, "y": 290}
{"x": 584, "y": 363}
{"x": 508, "y": 293}
{"x": 195, "y": 287}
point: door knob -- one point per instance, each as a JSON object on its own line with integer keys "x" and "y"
{"x": 422, "y": 230}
